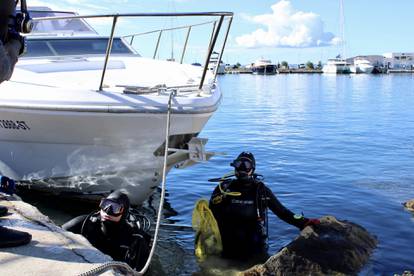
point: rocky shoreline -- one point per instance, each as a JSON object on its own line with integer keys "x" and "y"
{"x": 332, "y": 248}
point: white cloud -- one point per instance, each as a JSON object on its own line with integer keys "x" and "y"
{"x": 287, "y": 27}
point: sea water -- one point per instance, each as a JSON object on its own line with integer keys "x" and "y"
{"x": 325, "y": 144}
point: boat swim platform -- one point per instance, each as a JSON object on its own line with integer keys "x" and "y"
{"x": 52, "y": 251}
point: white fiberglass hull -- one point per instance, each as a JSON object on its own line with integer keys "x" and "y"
{"x": 102, "y": 141}
{"x": 336, "y": 69}
{"x": 362, "y": 69}
{"x": 366, "y": 68}
{"x": 221, "y": 70}
{"x": 52, "y": 144}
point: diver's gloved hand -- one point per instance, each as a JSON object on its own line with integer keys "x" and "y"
{"x": 311, "y": 222}
{"x": 7, "y": 185}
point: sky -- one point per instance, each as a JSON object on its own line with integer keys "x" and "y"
{"x": 296, "y": 31}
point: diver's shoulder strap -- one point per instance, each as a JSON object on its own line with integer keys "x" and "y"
{"x": 226, "y": 183}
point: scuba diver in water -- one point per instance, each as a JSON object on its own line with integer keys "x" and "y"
{"x": 240, "y": 208}
{"x": 115, "y": 231}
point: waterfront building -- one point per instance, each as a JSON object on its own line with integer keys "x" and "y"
{"x": 404, "y": 61}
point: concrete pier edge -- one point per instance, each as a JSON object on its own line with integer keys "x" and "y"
{"x": 52, "y": 250}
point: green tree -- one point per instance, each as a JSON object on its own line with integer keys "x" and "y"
{"x": 309, "y": 65}
{"x": 285, "y": 64}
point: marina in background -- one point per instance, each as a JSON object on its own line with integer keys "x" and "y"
{"x": 363, "y": 64}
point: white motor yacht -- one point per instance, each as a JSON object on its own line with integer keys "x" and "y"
{"x": 362, "y": 66}
{"x": 216, "y": 65}
{"x": 336, "y": 66}
{"x": 264, "y": 67}
{"x": 89, "y": 110}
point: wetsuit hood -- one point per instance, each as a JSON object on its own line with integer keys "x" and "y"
{"x": 122, "y": 199}
{"x": 244, "y": 166}
{"x": 7, "y": 8}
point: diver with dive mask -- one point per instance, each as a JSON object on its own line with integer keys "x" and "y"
{"x": 240, "y": 205}
{"x": 114, "y": 230}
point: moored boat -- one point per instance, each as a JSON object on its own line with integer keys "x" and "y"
{"x": 361, "y": 66}
{"x": 336, "y": 66}
{"x": 89, "y": 109}
{"x": 264, "y": 67}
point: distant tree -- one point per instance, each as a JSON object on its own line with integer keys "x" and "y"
{"x": 285, "y": 64}
{"x": 319, "y": 66}
{"x": 309, "y": 65}
{"x": 238, "y": 64}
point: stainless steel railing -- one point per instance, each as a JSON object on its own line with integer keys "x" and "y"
{"x": 217, "y": 25}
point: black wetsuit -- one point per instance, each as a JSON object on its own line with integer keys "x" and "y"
{"x": 242, "y": 219}
{"x": 123, "y": 241}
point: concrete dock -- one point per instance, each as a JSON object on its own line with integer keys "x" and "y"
{"x": 52, "y": 250}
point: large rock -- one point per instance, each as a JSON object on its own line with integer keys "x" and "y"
{"x": 331, "y": 248}
{"x": 409, "y": 205}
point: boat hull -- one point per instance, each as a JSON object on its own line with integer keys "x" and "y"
{"x": 97, "y": 151}
{"x": 336, "y": 69}
{"x": 361, "y": 69}
{"x": 264, "y": 70}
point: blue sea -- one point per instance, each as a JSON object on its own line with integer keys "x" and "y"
{"x": 326, "y": 145}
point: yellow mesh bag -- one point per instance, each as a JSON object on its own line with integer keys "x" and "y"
{"x": 207, "y": 238}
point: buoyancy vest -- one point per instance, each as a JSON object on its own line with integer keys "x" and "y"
{"x": 242, "y": 219}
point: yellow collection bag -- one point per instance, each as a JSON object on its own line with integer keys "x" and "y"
{"x": 207, "y": 238}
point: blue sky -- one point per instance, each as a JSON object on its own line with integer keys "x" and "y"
{"x": 292, "y": 30}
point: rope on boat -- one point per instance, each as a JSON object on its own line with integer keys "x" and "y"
{"x": 113, "y": 264}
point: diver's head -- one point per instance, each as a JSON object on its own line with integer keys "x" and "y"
{"x": 7, "y": 9}
{"x": 244, "y": 166}
{"x": 114, "y": 207}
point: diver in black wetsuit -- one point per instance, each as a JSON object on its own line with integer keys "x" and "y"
{"x": 113, "y": 231}
{"x": 240, "y": 208}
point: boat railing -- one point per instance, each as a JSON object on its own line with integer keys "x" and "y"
{"x": 217, "y": 24}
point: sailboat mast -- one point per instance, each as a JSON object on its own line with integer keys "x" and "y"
{"x": 342, "y": 27}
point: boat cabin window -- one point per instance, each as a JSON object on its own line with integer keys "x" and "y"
{"x": 74, "y": 46}
{"x": 73, "y": 25}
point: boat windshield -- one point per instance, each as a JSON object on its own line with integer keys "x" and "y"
{"x": 72, "y": 25}
{"x": 74, "y": 46}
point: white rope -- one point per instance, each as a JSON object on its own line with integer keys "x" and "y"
{"x": 164, "y": 175}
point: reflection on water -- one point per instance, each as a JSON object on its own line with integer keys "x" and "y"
{"x": 326, "y": 145}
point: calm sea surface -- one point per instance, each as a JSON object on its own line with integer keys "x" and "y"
{"x": 326, "y": 145}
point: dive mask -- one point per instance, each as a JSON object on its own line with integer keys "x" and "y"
{"x": 111, "y": 207}
{"x": 243, "y": 165}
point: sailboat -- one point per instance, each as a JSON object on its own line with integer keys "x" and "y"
{"x": 338, "y": 65}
